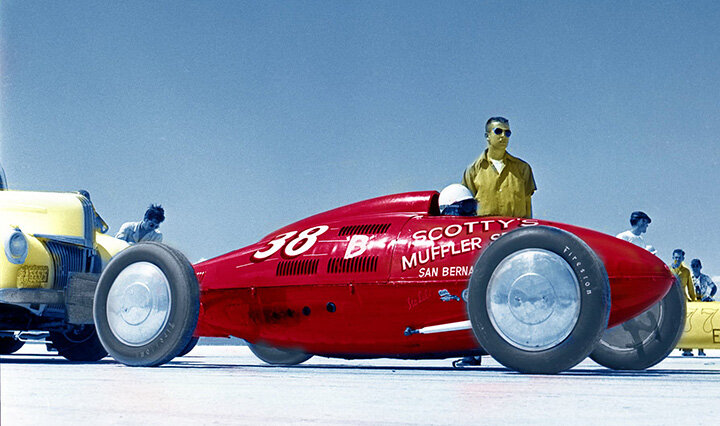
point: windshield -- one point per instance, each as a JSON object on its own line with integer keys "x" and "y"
{"x": 3, "y": 181}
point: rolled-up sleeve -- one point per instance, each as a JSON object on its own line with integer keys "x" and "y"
{"x": 125, "y": 229}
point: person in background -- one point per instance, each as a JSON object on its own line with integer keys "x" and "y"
{"x": 639, "y": 222}
{"x": 705, "y": 288}
{"x": 146, "y": 229}
{"x": 684, "y": 278}
{"x": 501, "y": 184}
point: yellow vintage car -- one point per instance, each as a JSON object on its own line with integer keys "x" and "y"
{"x": 88, "y": 293}
{"x": 702, "y": 326}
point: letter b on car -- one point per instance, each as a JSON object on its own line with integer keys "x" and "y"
{"x": 356, "y": 246}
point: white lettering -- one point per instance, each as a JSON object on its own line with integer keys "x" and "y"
{"x": 470, "y": 226}
{"x": 505, "y": 224}
{"x": 430, "y": 234}
{"x": 356, "y": 246}
{"x": 428, "y": 272}
{"x": 450, "y": 234}
{"x": 409, "y": 264}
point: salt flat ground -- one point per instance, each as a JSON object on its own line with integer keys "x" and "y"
{"x": 228, "y": 385}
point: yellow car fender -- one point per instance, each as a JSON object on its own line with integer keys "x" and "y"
{"x": 108, "y": 247}
{"x": 36, "y": 271}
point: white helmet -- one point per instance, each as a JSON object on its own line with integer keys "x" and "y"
{"x": 457, "y": 200}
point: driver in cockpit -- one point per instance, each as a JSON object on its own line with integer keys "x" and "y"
{"x": 457, "y": 200}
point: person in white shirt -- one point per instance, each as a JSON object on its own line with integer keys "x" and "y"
{"x": 146, "y": 229}
{"x": 639, "y": 222}
{"x": 705, "y": 288}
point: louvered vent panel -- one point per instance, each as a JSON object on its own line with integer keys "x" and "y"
{"x": 376, "y": 228}
{"x": 297, "y": 267}
{"x": 339, "y": 265}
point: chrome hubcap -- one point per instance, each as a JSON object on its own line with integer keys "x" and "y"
{"x": 533, "y": 299}
{"x": 138, "y": 303}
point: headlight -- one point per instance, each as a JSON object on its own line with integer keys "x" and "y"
{"x": 16, "y": 247}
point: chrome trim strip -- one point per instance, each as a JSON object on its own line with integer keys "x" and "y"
{"x": 89, "y": 217}
{"x": 64, "y": 239}
{"x": 442, "y": 328}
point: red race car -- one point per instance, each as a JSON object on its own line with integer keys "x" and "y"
{"x": 393, "y": 277}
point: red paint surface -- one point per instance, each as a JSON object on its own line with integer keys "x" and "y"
{"x": 246, "y": 298}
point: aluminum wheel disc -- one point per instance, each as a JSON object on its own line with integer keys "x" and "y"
{"x": 138, "y": 303}
{"x": 636, "y": 332}
{"x": 533, "y": 299}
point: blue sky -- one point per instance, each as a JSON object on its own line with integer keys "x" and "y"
{"x": 241, "y": 117}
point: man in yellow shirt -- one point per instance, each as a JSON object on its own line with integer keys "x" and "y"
{"x": 502, "y": 184}
{"x": 684, "y": 276}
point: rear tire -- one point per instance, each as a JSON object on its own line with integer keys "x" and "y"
{"x": 9, "y": 345}
{"x": 147, "y": 304}
{"x": 647, "y": 339}
{"x": 538, "y": 300}
{"x": 277, "y": 356}
{"x": 79, "y": 344}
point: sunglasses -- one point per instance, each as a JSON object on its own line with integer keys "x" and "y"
{"x": 498, "y": 131}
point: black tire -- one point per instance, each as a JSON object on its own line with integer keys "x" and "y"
{"x": 647, "y": 339}
{"x": 277, "y": 356}
{"x": 79, "y": 343}
{"x": 194, "y": 340}
{"x": 9, "y": 345}
{"x": 190, "y": 346}
{"x": 525, "y": 296}
{"x": 127, "y": 330}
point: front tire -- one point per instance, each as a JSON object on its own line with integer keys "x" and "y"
{"x": 539, "y": 300}
{"x": 277, "y": 356}
{"x": 647, "y": 339}
{"x": 79, "y": 343}
{"x": 10, "y": 345}
{"x": 146, "y": 305}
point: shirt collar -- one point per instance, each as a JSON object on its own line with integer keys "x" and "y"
{"x": 507, "y": 157}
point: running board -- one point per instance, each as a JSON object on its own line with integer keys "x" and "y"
{"x": 39, "y": 296}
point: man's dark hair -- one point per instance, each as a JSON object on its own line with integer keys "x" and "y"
{"x": 636, "y": 216}
{"x": 695, "y": 263}
{"x": 496, "y": 119}
{"x": 155, "y": 212}
{"x": 681, "y": 251}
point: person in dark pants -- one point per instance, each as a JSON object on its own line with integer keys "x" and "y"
{"x": 684, "y": 278}
{"x": 705, "y": 288}
{"x": 502, "y": 184}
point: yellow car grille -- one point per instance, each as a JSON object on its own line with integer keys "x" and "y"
{"x": 31, "y": 276}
